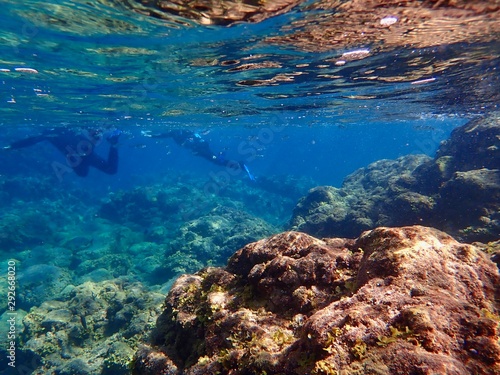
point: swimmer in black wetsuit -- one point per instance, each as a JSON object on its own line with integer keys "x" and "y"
{"x": 200, "y": 147}
{"x": 79, "y": 149}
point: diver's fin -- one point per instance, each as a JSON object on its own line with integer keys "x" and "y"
{"x": 250, "y": 175}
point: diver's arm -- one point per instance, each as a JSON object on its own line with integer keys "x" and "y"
{"x": 169, "y": 134}
{"x": 27, "y": 142}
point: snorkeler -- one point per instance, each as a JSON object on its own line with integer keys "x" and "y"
{"x": 194, "y": 142}
{"x": 78, "y": 148}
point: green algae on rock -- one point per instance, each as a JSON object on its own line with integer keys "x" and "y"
{"x": 394, "y": 301}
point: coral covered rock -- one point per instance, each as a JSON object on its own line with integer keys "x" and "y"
{"x": 408, "y": 300}
{"x": 163, "y": 207}
{"x": 40, "y": 282}
{"x": 146, "y": 206}
{"x": 458, "y": 191}
{"x": 473, "y": 146}
{"x": 212, "y": 238}
{"x": 365, "y": 201}
{"x": 94, "y": 330}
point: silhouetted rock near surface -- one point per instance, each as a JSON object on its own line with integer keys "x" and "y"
{"x": 342, "y": 24}
{"x": 458, "y": 191}
{"x": 406, "y": 300}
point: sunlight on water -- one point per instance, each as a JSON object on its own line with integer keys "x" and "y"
{"x": 82, "y": 63}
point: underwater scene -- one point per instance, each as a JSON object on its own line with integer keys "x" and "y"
{"x": 275, "y": 187}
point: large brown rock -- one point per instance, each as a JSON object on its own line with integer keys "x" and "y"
{"x": 408, "y": 300}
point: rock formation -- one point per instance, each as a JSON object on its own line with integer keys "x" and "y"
{"x": 212, "y": 238}
{"x": 457, "y": 191}
{"x": 93, "y": 329}
{"x": 408, "y": 300}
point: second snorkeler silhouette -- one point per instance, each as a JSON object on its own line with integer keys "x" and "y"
{"x": 200, "y": 147}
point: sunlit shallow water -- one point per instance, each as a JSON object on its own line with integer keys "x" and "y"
{"x": 111, "y": 64}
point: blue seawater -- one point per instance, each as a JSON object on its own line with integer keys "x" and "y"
{"x": 289, "y": 111}
{"x": 299, "y": 104}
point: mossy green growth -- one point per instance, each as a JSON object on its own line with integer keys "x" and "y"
{"x": 282, "y": 338}
{"x": 216, "y": 288}
{"x": 331, "y": 338}
{"x": 350, "y": 286}
{"x": 189, "y": 296}
{"x": 225, "y": 358}
{"x": 359, "y": 349}
{"x": 49, "y": 348}
{"x": 203, "y": 360}
{"x": 396, "y": 334}
{"x": 324, "y": 367}
{"x": 115, "y": 364}
{"x": 490, "y": 315}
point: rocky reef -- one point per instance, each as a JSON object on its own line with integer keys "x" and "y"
{"x": 93, "y": 329}
{"x": 176, "y": 199}
{"x": 175, "y": 227}
{"x": 212, "y": 238}
{"x": 408, "y": 300}
{"x": 457, "y": 191}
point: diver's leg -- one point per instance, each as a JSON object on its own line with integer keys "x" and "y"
{"x": 82, "y": 169}
{"x": 26, "y": 142}
{"x": 109, "y": 166}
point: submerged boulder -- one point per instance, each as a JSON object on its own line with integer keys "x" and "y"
{"x": 393, "y": 301}
{"x": 94, "y": 329}
{"x": 212, "y": 238}
{"x": 457, "y": 191}
{"x": 40, "y": 282}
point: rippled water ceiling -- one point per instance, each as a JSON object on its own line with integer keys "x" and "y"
{"x": 147, "y": 59}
